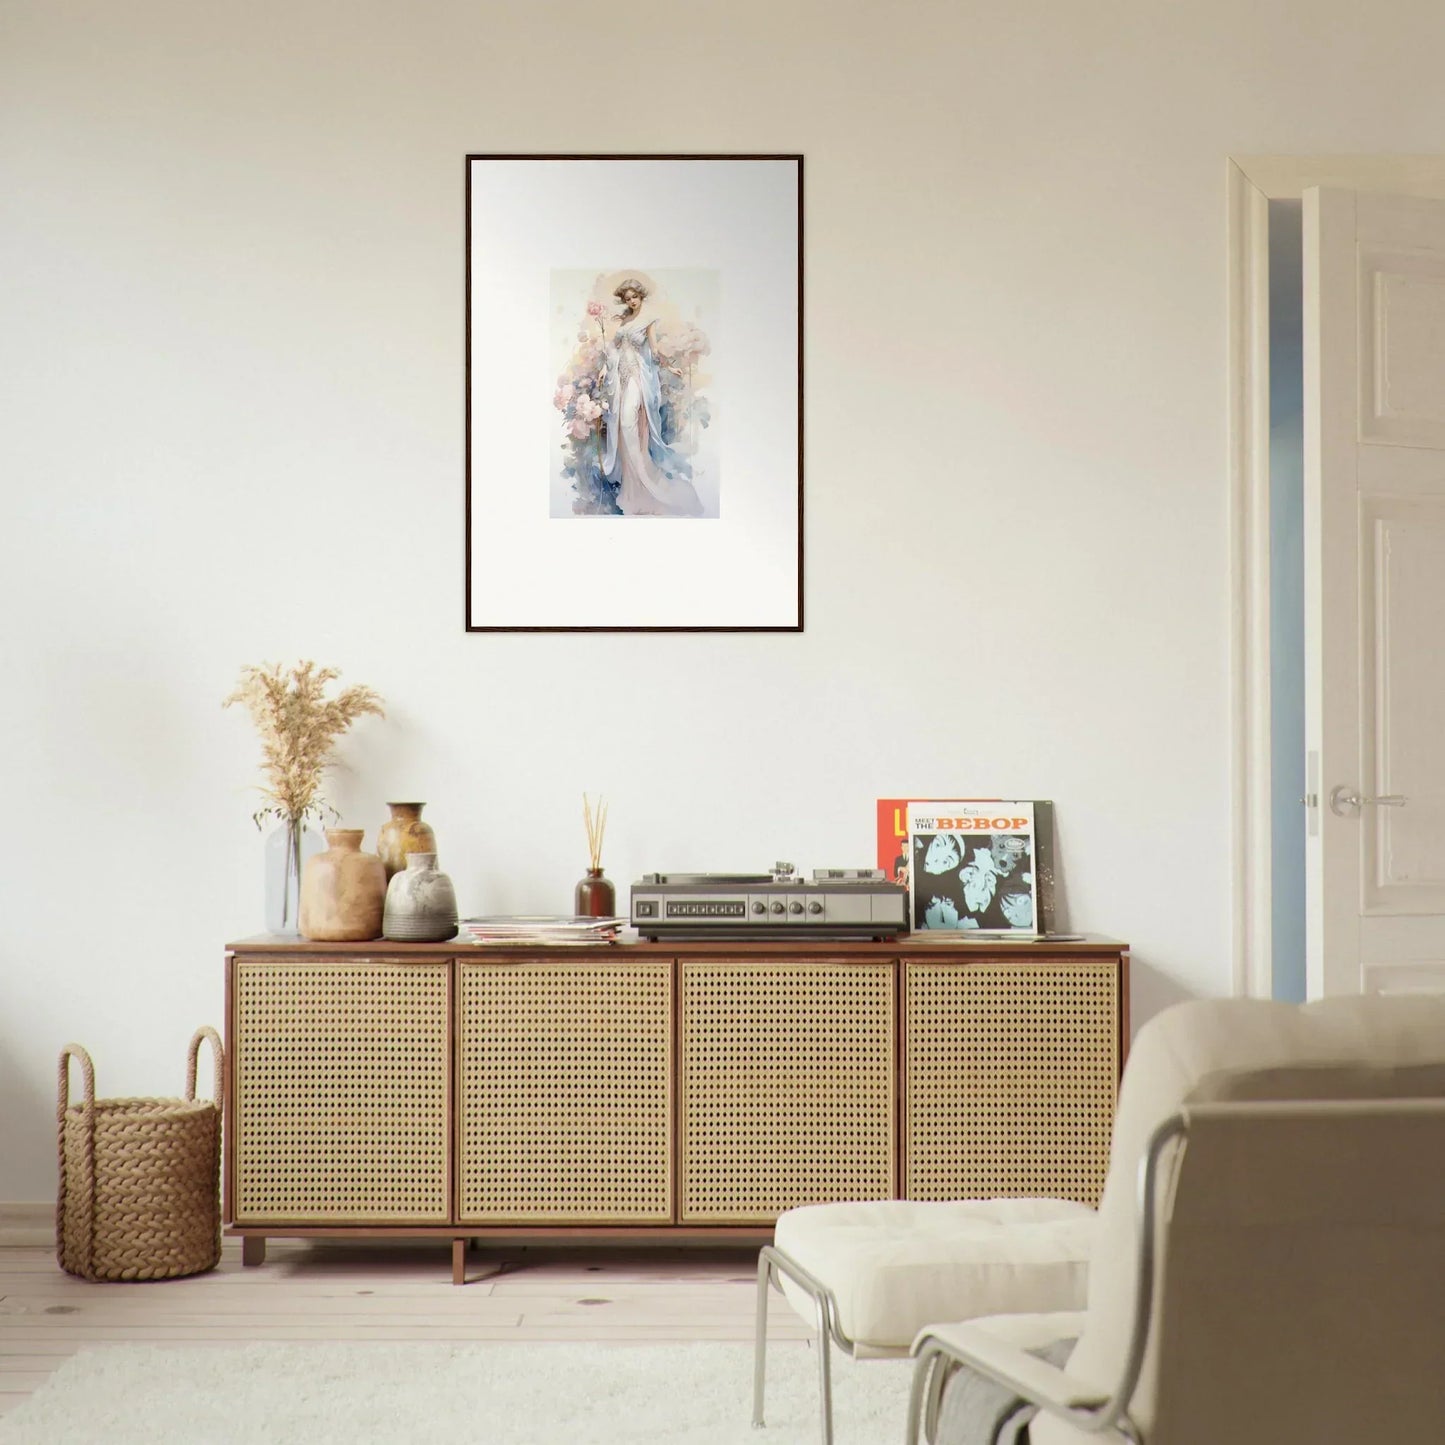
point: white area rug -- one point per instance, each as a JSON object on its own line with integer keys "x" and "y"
{"x": 481, "y": 1394}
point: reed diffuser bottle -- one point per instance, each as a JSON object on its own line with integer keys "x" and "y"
{"x": 595, "y": 896}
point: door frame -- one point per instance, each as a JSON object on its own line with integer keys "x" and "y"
{"x": 1252, "y": 183}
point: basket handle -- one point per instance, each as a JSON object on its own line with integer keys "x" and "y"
{"x": 83, "y": 1223}
{"x": 87, "y": 1069}
{"x": 192, "y": 1058}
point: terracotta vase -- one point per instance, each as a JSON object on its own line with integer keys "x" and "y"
{"x": 343, "y": 891}
{"x": 595, "y": 897}
{"x": 403, "y": 833}
{"x": 421, "y": 904}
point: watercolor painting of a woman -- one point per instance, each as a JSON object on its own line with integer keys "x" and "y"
{"x": 653, "y": 479}
{"x": 631, "y": 409}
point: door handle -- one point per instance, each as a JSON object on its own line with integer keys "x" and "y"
{"x": 1345, "y": 802}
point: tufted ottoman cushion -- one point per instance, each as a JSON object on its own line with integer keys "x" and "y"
{"x": 896, "y": 1265}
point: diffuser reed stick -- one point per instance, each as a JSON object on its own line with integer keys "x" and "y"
{"x": 596, "y": 822}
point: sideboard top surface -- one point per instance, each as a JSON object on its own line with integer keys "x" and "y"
{"x": 912, "y": 946}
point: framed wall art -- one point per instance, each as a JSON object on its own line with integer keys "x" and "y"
{"x": 634, "y": 393}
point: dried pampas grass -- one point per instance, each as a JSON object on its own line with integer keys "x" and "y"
{"x": 299, "y": 726}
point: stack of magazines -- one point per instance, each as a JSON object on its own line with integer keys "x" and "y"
{"x": 541, "y": 928}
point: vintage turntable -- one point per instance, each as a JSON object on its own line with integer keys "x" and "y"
{"x": 835, "y": 903}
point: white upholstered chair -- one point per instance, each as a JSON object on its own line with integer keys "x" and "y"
{"x": 870, "y": 1275}
{"x": 1269, "y": 1267}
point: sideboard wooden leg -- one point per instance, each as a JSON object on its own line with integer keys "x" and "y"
{"x": 253, "y": 1249}
{"x": 459, "y": 1261}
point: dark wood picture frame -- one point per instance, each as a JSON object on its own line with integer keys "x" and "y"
{"x": 478, "y": 624}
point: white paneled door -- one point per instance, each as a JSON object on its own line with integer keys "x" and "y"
{"x": 1374, "y": 396}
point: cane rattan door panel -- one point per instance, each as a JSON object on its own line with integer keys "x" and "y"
{"x": 1012, "y": 1071}
{"x": 564, "y": 1074}
{"x": 787, "y": 1086}
{"x": 341, "y": 1091}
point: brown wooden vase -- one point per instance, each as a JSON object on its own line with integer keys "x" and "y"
{"x": 403, "y": 833}
{"x": 343, "y": 891}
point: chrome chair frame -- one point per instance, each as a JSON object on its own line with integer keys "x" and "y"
{"x": 772, "y": 1263}
{"x": 1108, "y": 1417}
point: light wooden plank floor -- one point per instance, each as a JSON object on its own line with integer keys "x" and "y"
{"x": 365, "y": 1291}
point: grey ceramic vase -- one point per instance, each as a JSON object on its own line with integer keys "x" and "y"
{"x": 421, "y": 904}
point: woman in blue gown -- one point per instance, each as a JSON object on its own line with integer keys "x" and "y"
{"x": 652, "y": 478}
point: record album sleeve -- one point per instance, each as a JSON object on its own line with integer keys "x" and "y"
{"x": 1002, "y": 875}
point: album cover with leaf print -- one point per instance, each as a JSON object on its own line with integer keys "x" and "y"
{"x": 971, "y": 864}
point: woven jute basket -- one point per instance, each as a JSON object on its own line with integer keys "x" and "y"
{"x": 139, "y": 1178}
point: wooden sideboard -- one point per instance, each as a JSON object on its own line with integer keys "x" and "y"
{"x": 663, "y": 1091}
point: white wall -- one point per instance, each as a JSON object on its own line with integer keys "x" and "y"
{"x": 231, "y": 328}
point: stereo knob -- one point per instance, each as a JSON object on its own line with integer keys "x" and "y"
{"x": 815, "y": 907}
{"x": 777, "y": 908}
{"x": 795, "y": 907}
{"x": 759, "y": 906}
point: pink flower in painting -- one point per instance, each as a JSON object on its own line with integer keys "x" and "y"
{"x": 579, "y": 428}
{"x": 562, "y": 397}
{"x": 594, "y": 308}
